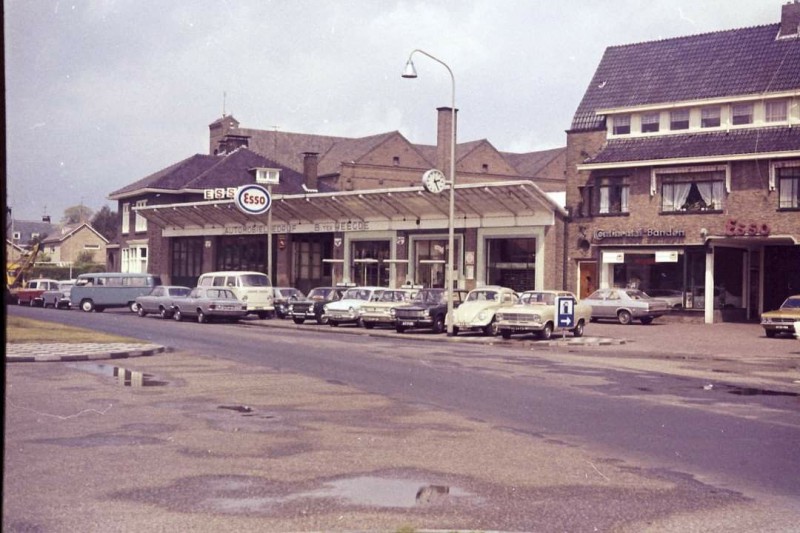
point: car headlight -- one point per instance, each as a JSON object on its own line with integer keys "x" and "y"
{"x": 499, "y": 316}
{"x": 482, "y": 315}
{"x": 392, "y": 313}
{"x": 536, "y": 318}
{"x": 244, "y": 298}
{"x": 766, "y": 319}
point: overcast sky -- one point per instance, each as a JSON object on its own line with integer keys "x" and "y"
{"x": 100, "y": 93}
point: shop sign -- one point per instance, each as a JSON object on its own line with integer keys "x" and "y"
{"x": 638, "y": 233}
{"x": 219, "y": 193}
{"x": 735, "y": 228}
{"x": 253, "y": 199}
{"x": 668, "y": 256}
{"x": 613, "y": 257}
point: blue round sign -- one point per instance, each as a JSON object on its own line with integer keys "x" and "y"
{"x": 253, "y": 199}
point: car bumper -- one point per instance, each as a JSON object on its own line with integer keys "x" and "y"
{"x": 780, "y": 327}
{"x": 415, "y": 323}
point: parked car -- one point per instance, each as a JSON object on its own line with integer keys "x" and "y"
{"x": 207, "y": 303}
{"x": 31, "y": 293}
{"x": 58, "y": 298}
{"x": 625, "y": 305}
{"x": 673, "y": 298}
{"x": 348, "y": 309}
{"x": 161, "y": 300}
{"x": 282, "y": 297}
{"x": 479, "y": 309}
{"x": 782, "y": 320}
{"x": 427, "y": 310}
{"x": 312, "y": 307}
{"x": 252, "y": 288}
{"x": 379, "y": 312}
{"x": 536, "y": 313}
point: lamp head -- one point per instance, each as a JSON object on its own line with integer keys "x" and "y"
{"x": 409, "y": 71}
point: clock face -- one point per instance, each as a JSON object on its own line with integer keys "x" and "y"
{"x": 433, "y": 181}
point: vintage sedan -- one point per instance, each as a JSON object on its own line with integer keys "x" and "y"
{"x": 348, "y": 309}
{"x": 282, "y": 297}
{"x": 58, "y": 298}
{"x": 379, "y": 312}
{"x": 160, "y": 300}
{"x": 427, "y": 310}
{"x": 313, "y": 306}
{"x": 208, "y": 303}
{"x": 625, "y": 306}
{"x": 479, "y": 309}
{"x": 782, "y": 320}
{"x": 536, "y": 313}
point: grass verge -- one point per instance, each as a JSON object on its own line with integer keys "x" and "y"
{"x": 21, "y": 330}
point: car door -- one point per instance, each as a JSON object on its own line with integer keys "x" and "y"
{"x": 604, "y": 307}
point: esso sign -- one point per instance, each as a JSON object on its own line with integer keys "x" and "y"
{"x": 253, "y": 199}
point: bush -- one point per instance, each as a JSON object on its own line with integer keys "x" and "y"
{"x": 61, "y": 273}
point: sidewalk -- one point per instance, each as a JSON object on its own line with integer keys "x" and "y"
{"x": 35, "y": 352}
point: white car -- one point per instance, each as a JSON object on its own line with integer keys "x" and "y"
{"x": 478, "y": 310}
{"x": 380, "y": 311}
{"x": 348, "y": 309}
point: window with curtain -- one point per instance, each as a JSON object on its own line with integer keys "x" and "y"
{"x": 141, "y": 222}
{"x": 710, "y": 117}
{"x": 741, "y": 114}
{"x": 650, "y": 122}
{"x": 679, "y": 119}
{"x": 775, "y": 111}
{"x": 789, "y": 187}
{"x": 622, "y": 124}
{"x": 613, "y": 196}
{"x": 693, "y": 192}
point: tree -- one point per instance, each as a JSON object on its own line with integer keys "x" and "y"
{"x": 76, "y": 214}
{"x": 106, "y": 223}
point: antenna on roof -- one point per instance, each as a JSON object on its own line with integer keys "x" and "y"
{"x": 224, "y": 97}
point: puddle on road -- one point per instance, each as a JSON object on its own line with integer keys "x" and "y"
{"x": 751, "y": 391}
{"x": 383, "y": 492}
{"x": 123, "y": 376}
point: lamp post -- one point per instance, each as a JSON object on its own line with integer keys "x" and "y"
{"x": 411, "y": 72}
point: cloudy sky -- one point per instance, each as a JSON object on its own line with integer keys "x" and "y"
{"x": 100, "y": 93}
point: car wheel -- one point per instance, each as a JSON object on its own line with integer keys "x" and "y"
{"x": 299, "y": 320}
{"x": 578, "y": 331}
{"x": 438, "y": 324}
{"x": 201, "y": 317}
{"x": 177, "y": 315}
{"x": 333, "y": 323}
{"x": 505, "y": 333}
{"x": 87, "y": 306}
{"x": 360, "y": 323}
{"x": 646, "y": 320}
{"x": 322, "y": 319}
{"x": 770, "y": 333}
{"x": 134, "y": 307}
{"x": 368, "y": 325}
{"x": 455, "y": 331}
{"x": 163, "y": 313}
{"x": 141, "y": 312}
{"x": 624, "y": 317}
{"x": 32, "y": 303}
{"x": 490, "y": 329}
{"x": 400, "y": 329}
{"x": 546, "y": 332}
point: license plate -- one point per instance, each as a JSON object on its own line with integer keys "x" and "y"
{"x": 781, "y": 327}
{"x": 407, "y": 324}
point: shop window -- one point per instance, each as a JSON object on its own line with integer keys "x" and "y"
{"x": 622, "y": 124}
{"x": 430, "y": 261}
{"x": 187, "y": 260}
{"x": 511, "y": 262}
{"x": 651, "y": 122}
{"x": 679, "y": 119}
{"x": 741, "y": 114}
{"x": 613, "y": 194}
{"x": 789, "y": 187}
{"x": 710, "y": 117}
{"x": 368, "y": 266}
{"x": 242, "y": 253}
{"x": 692, "y": 193}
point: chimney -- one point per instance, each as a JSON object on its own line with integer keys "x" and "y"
{"x": 790, "y": 19}
{"x": 310, "y": 168}
{"x": 444, "y": 131}
{"x": 218, "y": 131}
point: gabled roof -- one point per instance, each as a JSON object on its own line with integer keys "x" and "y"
{"x": 26, "y": 229}
{"x": 741, "y": 62}
{"x": 532, "y": 164}
{"x": 206, "y": 171}
{"x": 701, "y": 145}
{"x": 350, "y": 150}
{"x": 69, "y": 231}
{"x": 287, "y": 148}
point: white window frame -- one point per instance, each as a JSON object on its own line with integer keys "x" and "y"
{"x": 740, "y": 107}
{"x": 773, "y": 174}
{"x": 773, "y": 106}
{"x": 711, "y": 113}
{"x": 133, "y": 260}
{"x": 621, "y": 122}
{"x": 141, "y": 222}
{"x": 126, "y": 218}
{"x": 647, "y": 120}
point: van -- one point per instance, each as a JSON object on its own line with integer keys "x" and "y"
{"x": 252, "y": 288}
{"x": 99, "y": 291}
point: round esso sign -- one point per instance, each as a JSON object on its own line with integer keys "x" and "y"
{"x": 253, "y": 199}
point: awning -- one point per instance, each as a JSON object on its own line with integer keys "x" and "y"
{"x": 486, "y": 204}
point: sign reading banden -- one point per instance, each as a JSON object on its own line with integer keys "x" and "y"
{"x": 639, "y": 233}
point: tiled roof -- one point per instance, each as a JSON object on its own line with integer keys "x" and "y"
{"x": 532, "y": 164}
{"x": 205, "y": 171}
{"x": 287, "y": 148}
{"x": 26, "y": 229}
{"x": 349, "y": 150}
{"x": 698, "y": 145}
{"x": 748, "y": 61}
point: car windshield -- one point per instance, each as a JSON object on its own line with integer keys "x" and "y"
{"x": 320, "y": 294}
{"x": 637, "y": 295}
{"x": 180, "y": 291}
{"x": 538, "y": 298}
{"x": 431, "y": 296}
{"x": 357, "y": 294}
{"x": 255, "y": 280}
{"x": 482, "y": 296}
{"x": 791, "y": 303}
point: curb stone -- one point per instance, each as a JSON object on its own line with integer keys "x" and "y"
{"x": 35, "y": 352}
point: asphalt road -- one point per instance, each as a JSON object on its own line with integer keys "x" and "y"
{"x": 737, "y": 438}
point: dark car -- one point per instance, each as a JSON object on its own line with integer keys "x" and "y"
{"x": 161, "y": 300}
{"x": 427, "y": 310}
{"x": 207, "y": 303}
{"x": 282, "y": 297}
{"x": 313, "y": 306}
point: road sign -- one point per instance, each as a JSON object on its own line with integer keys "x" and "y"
{"x": 565, "y": 307}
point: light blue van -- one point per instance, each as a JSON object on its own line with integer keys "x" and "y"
{"x": 99, "y": 291}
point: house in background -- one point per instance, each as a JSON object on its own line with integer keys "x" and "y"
{"x": 23, "y": 233}
{"x": 683, "y": 171}
{"x": 73, "y": 242}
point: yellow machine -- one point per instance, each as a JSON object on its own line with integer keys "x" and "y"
{"x": 17, "y": 272}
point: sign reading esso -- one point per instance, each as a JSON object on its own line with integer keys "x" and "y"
{"x": 253, "y": 199}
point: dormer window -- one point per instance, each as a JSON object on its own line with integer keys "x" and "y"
{"x": 775, "y": 111}
{"x": 710, "y": 117}
{"x": 651, "y": 122}
{"x": 679, "y": 119}
{"x": 741, "y": 114}
{"x": 622, "y": 124}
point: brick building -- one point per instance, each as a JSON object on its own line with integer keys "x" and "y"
{"x": 75, "y": 241}
{"x": 347, "y": 209}
{"x": 683, "y": 170}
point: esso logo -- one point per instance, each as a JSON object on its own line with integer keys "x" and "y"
{"x": 253, "y": 199}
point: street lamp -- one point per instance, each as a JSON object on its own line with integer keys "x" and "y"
{"x": 411, "y": 72}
